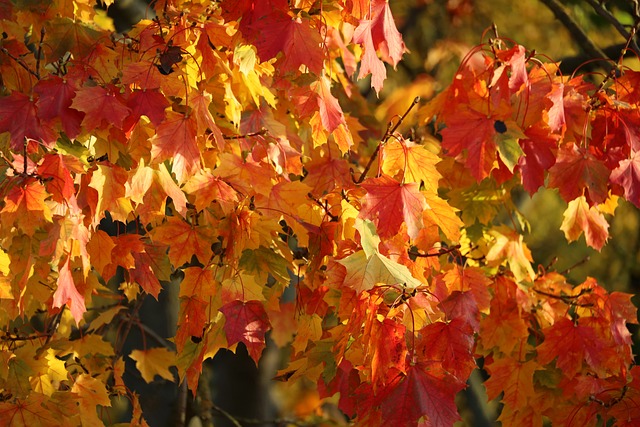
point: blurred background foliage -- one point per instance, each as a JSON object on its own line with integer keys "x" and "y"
{"x": 438, "y": 34}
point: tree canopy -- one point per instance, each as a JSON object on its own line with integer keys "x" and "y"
{"x": 233, "y": 157}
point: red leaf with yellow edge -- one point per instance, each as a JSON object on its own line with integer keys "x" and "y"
{"x": 184, "y": 241}
{"x": 389, "y": 203}
{"x": 578, "y": 172}
{"x": 56, "y": 95}
{"x": 154, "y": 361}
{"x": 627, "y": 175}
{"x": 512, "y": 377}
{"x": 421, "y": 393}
{"x": 175, "y": 140}
{"x": 18, "y": 117}
{"x": 25, "y": 206}
{"x": 60, "y": 182}
{"x": 66, "y": 293}
{"x": 246, "y": 322}
{"x": 416, "y": 162}
{"x": 579, "y": 218}
{"x": 100, "y": 105}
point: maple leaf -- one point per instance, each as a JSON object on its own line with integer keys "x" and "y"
{"x": 389, "y": 350}
{"x": 56, "y": 95}
{"x": 576, "y": 172}
{"x": 298, "y": 41}
{"x": 471, "y": 131}
{"x": 30, "y": 411}
{"x": 18, "y": 116}
{"x": 378, "y": 32}
{"x": 109, "y": 181}
{"x": 246, "y": 322}
{"x": 146, "y": 102}
{"x": 421, "y": 393}
{"x": 208, "y": 188}
{"x": 512, "y": 377}
{"x": 364, "y": 272}
{"x": 390, "y": 203}
{"x": 154, "y": 361}
{"x": 449, "y": 343}
{"x": 175, "y": 139}
{"x": 331, "y": 114}
{"x": 100, "y": 104}
{"x": 538, "y": 147}
{"x": 627, "y": 175}
{"x": 572, "y": 344}
{"x": 91, "y": 393}
{"x": 579, "y": 218}
{"x": 184, "y": 241}
{"x": 67, "y": 293}
{"x": 509, "y": 246}
{"x": 416, "y": 163}
{"x": 25, "y": 206}
{"x": 70, "y": 35}
{"x": 61, "y": 184}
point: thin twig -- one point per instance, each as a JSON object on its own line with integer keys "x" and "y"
{"x": 247, "y": 135}
{"x": 390, "y": 131}
{"x": 20, "y": 62}
{"x": 42, "y": 32}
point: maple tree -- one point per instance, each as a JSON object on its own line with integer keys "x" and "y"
{"x": 232, "y": 144}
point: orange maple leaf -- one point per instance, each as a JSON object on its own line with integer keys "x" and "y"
{"x": 175, "y": 140}
{"x": 184, "y": 241}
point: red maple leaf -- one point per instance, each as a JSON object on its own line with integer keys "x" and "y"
{"x": 101, "y": 104}
{"x": 539, "y": 149}
{"x": 299, "y": 42}
{"x": 67, "y": 293}
{"x": 331, "y": 114}
{"x": 150, "y": 103}
{"x": 60, "y": 183}
{"x": 247, "y": 322}
{"x": 389, "y": 203}
{"x": 572, "y": 344}
{"x": 627, "y": 175}
{"x": 449, "y": 343}
{"x": 471, "y": 131}
{"x": 577, "y": 171}
{"x": 421, "y": 393}
{"x": 18, "y": 116}
{"x": 56, "y": 95}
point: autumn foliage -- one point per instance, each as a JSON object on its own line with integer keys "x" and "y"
{"x": 231, "y": 142}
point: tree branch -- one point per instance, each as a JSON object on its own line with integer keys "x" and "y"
{"x": 586, "y": 44}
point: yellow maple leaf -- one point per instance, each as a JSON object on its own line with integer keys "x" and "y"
{"x": 154, "y": 361}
